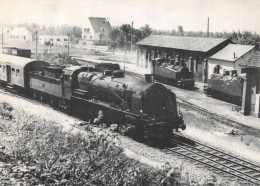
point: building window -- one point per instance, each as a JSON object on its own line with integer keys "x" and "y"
{"x": 13, "y": 70}
{"x": 0, "y": 66}
{"x": 24, "y": 37}
{"x": 65, "y": 40}
{"x": 17, "y": 70}
{"x": 58, "y": 39}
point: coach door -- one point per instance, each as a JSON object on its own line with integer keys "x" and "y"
{"x": 8, "y": 73}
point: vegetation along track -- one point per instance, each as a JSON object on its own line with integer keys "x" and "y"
{"x": 216, "y": 159}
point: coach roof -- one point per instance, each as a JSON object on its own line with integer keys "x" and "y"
{"x": 200, "y": 44}
{"x": 16, "y": 60}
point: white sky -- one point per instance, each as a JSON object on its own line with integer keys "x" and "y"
{"x": 225, "y": 15}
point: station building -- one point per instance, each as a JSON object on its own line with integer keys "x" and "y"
{"x": 251, "y": 88}
{"x": 229, "y": 58}
{"x": 95, "y": 30}
{"x": 195, "y": 51}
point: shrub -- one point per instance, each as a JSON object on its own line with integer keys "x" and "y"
{"x": 70, "y": 158}
{"x": 5, "y": 110}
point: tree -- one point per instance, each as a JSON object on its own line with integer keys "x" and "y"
{"x": 114, "y": 36}
{"x": 180, "y": 30}
{"x": 146, "y": 31}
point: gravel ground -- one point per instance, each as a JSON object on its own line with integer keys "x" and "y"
{"x": 136, "y": 150}
{"x": 217, "y": 135}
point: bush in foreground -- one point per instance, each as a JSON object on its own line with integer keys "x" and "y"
{"x": 59, "y": 157}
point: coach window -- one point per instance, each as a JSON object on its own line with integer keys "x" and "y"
{"x": 58, "y": 39}
{"x": 17, "y": 71}
{"x": 65, "y": 39}
{"x": 13, "y": 70}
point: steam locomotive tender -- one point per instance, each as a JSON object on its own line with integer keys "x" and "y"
{"x": 149, "y": 108}
{"x": 174, "y": 73}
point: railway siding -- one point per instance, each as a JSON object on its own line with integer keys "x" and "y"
{"x": 216, "y": 159}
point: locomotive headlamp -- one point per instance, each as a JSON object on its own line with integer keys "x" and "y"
{"x": 141, "y": 111}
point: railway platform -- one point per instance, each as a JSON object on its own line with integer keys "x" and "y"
{"x": 196, "y": 97}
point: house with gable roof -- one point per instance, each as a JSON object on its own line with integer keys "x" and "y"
{"x": 229, "y": 58}
{"x": 96, "y": 29}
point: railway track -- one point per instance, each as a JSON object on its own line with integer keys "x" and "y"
{"x": 216, "y": 159}
{"x": 230, "y": 122}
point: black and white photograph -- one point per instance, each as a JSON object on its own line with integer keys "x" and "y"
{"x": 130, "y": 92}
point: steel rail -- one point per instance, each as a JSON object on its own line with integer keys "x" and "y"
{"x": 217, "y": 159}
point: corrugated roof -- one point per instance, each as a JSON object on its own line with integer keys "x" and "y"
{"x": 200, "y": 44}
{"x": 227, "y": 53}
{"x": 100, "y": 24}
{"x": 252, "y": 62}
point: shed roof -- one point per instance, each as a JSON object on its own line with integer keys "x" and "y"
{"x": 16, "y": 60}
{"x": 200, "y": 44}
{"x": 100, "y": 24}
{"x": 252, "y": 62}
{"x": 227, "y": 53}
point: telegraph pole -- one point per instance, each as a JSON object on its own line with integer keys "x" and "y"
{"x": 68, "y": 44}
{"x": 132, "y": 36}
{"x": 208, "y": 28}
{"x": 2, "y": 39}
{"x": 36, "y": 42}
{"x": 125, "y": 53}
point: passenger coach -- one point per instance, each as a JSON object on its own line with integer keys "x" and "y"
{"x": 15, "y": 71}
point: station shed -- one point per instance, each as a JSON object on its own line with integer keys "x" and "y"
{"x": 17, "y": 52}
{"x": 229, "y": 58}
{"x": 251, "y": 88}
{"x": 195, "y": 51}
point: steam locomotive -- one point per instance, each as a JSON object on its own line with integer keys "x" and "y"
{"x": 103, "y": 94}
{"x": 227, "y": 86}
{"x": 173, "y": 73}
